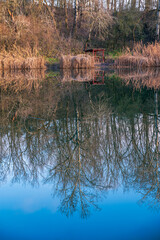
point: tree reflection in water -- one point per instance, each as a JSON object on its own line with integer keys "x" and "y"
{"x": 147, "y": 175}
{"x": 81, "y": 139}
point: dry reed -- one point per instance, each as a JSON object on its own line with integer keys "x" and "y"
{"x": 10, "y": 63}
{"x": 140, "y": 56}
{"x": 20, "y": 60}
{"x": 80, "y": 61}
{"x": 65, "y": 61}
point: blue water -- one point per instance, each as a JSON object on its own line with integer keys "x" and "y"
{"x": 79, "y": 161}
{"x": 32, "y": 213}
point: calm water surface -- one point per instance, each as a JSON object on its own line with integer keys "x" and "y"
{"x": 79, "y": 156}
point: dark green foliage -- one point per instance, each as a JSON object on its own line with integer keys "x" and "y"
{"x": 132, "y": 26}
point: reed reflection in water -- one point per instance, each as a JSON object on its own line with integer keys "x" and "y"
{"x": 73, "y": 136}
{"x": 147, "y": 77}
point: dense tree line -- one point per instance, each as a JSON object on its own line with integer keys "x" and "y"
{"x": 60, "y": 26}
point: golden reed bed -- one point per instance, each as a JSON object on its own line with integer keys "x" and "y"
{"x": 81, "y": 61}
{"x": 12, "y": 63}
{"x": 141, "y": 56}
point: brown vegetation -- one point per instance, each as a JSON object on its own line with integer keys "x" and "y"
{"x": 11, "y": 63}
{"x": 140, "y": 56}
{"x": 20, "y": 59}
{"x": 33, "y": 25}
{"x": 65, "y": 27}
{"x": 80, "y": 61}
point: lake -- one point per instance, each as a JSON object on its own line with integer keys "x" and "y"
{"x": 79, "y": 155}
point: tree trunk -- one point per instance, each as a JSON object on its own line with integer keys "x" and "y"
{"x": 133, "y": 4}
{"x": 75, "y": 17}
{"x": 115, "y": 5}
{"x": 66, "y": 14}
{"x": 148, "y": 4}
{"x": 158, "y": 21}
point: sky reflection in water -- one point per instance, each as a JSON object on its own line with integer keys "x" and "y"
{"x": 35, "y": 216}
{"x": 79, "y": 150}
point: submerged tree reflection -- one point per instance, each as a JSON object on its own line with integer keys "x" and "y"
{"x": 78, "y": 141}
{"x": 147, "y": 175}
